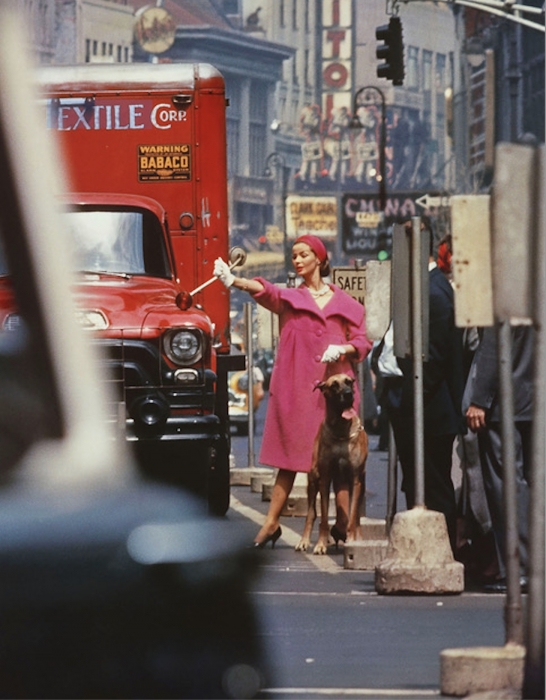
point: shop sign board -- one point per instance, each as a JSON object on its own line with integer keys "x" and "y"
{"x": 311, "y": 215}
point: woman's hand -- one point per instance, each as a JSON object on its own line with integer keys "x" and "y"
{"x": 333, "y": 353}
{"x": 222, "y": 271}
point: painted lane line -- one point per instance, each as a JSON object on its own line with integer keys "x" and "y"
{"x": 393, "y": 693}
{"x": 291, "y": 537}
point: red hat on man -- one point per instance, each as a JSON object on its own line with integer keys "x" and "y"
{"x": 316, "y": 245}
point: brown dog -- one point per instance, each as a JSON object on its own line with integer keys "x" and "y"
{"x": 339, "y": 456}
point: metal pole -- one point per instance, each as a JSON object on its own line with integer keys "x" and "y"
{"x": 417, "y": 360}
{"x": 382, "y": 147}
{"x": 250, "y": 369}
{"x": 512, "y": 610}
{"x": 534, "y": 686}
{"x": 392, "y": 480}
{"x": 361, "y": 378}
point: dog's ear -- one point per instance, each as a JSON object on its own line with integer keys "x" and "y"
{"x": 320, "y": 386}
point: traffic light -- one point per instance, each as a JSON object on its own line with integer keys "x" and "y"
{"x": 391, "y": 51}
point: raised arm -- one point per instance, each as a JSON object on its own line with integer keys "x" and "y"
{"x": 225, "y": 275}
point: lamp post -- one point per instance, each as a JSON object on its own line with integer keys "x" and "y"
{"x": 275, "y": 163}
{"x": 368, "y": 91}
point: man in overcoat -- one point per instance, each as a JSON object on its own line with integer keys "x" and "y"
{"x": 483, "y": 417}
{"x": 443, "y": 384}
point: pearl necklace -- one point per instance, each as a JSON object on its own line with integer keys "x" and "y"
{"x": 320, "y": 292}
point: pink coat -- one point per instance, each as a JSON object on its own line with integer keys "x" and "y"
{"x": 295, "y": 410}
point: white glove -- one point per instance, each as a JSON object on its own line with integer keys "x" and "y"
{"x": 222, "y": 271}
{"x": 333, "y": 353}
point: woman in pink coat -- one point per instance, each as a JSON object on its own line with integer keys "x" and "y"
{"x": 322, "y": 332}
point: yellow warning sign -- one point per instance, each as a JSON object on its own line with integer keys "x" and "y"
{"x": 164, "y": 162}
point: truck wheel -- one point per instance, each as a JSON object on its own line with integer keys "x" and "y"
{"x": 219, "y": 481}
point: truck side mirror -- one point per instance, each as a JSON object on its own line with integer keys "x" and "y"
{"x": 237, "y": 256}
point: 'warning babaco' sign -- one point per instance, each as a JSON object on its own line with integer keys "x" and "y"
{"x": 164, "y": 162}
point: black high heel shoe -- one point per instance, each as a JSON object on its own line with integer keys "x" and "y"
{"x": 337, "y": 535}
{"x": 270, "y": 538}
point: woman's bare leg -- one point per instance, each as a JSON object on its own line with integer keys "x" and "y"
{"x": 281, "y": 491}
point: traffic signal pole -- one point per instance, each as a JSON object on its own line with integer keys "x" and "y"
{"x": 391, "y": 52}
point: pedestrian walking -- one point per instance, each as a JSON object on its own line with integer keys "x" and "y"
{"x": 483, "y": 417}
{"x": 322, "y": 332}
{"x": 443, "y": 384}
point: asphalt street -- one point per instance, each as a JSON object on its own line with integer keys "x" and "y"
{"x": 329, "y": 634}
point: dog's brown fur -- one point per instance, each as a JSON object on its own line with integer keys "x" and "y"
{"x": 339, "y": 456}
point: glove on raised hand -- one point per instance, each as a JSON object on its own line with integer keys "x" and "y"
{"x": 222, "y": 271}
{"x": 333, "y": 353}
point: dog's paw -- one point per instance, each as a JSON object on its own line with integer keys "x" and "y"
{"x": 303, "y": 545}
{"x": 321, "y": 547}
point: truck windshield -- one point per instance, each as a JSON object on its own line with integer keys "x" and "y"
{"x": 128, "y": 241}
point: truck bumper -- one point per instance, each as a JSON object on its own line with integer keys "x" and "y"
{"x": 182, "y": 428}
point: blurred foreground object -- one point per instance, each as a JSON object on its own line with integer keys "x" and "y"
{"x": 109, "y": 586}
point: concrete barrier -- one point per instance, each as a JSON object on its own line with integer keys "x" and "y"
{"x": 419, "y": 557}
{"x": 261, "y": 478}
{"x": 369, "y": 552}
{"x": 242, "y": 476}
{"x": 487, "y": 670}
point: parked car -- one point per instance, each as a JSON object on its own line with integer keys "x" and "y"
{"x": 238, "y": 392}
{"x": 111, "y": 586}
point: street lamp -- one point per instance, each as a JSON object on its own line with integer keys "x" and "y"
{"x": 275, "y": 163}
{"x": 368, "y": 91}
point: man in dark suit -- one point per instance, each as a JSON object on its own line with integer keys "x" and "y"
{"x": 483, "y": 417}
{"x": 443, "y": 384}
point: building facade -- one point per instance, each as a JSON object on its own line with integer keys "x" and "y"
{"x": 316, "y": 141}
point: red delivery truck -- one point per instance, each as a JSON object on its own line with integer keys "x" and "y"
{"x": 145, "y": 152}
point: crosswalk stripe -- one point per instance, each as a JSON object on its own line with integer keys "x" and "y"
{"x": 322, "y": 562}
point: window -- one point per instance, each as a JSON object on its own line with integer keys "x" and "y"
{"x": 294, "y": 14}
{"x": 231, "y": 7}
{"x": 295, "y": 79}
{"x": 427, "y": 85}
{"x": 306, "y": 16}
{"x": 440, "y": 72}
{"x": 413, "y": 68}
{"x": 282, "y": 19}
{"x": 427, "y": 70}
{"x": 87, "y": 50}
{"x": 95, "y": 47}
{"x": 257, "y": 128}
{"x": 125, "y": 241}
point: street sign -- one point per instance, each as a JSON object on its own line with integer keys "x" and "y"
{"x": 471, "y": 261}
{"x": 371, "y": 287}
{"x": 427, "y": 201}
{"x": 378, "y": 298}
{"x": 514, "y": 208}
{"x": 402, "y": 303}
{"x": 352, "y": 281}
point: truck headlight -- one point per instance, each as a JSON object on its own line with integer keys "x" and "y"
{"x": 183, "y": 347}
